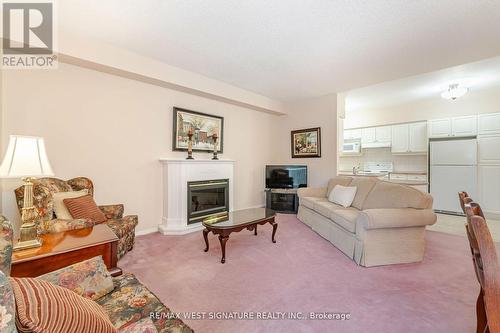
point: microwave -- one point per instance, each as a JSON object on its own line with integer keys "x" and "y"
{"x": 351, "y": 147}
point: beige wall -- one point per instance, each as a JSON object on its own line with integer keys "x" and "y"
{"x": 317, "y": 112}
{"x": 475, "y": 102}
{"x": 114, "y": 130}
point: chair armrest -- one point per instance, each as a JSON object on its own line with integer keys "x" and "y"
{"x": 112, "y": 211}
{"x": 395, "y": 218}
{"x": 319, "y": 192}
{"x": 60, "y": 225}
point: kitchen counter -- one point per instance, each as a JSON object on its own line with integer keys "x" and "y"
{"x": 383, "y": 175}
{"x": 349, "y": 173}
{"x": 410, "y": 172}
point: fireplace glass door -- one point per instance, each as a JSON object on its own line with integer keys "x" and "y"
{"x": 207, "y": 199}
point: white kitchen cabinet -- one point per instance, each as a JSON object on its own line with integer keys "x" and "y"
{"x": 352, "y": 134}
{"x": 489, "y": 149}
{"x": 400, "y": 138}
{"x": 464, "y": 126}
{"x": 383, "y": 134}
{"x": 380, "y": 134}
{"x": 368, "y": 135}
{"x": 409, "y": 138}
{"x": 418, "y": 141}
{"x": 489, "y": 187}
{"x": 439, "y": 128}
{"x": 489, "y": 123}
{"x": 453, "y": 127}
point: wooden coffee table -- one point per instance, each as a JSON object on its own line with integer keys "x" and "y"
{"x": 61, "y": 249}
{"x": 237, "y": 221}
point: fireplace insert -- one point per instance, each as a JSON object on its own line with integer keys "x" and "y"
{"x": 207, "y": 198}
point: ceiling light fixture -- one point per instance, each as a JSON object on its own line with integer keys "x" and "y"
{"x": 454, "y": 91}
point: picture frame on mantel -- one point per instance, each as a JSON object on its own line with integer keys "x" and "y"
{"x": 203, "y": 127}
{"x": 306, "y": 143}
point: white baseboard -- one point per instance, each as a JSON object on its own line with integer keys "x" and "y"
{"x": 146, "y": 231}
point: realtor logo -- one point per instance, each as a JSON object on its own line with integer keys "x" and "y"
{"x": 28, "y": 35}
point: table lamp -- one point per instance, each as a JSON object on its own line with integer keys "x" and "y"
{"x": 26, "y": 158}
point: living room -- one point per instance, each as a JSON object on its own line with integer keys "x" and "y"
{"x": 129, "y": 91}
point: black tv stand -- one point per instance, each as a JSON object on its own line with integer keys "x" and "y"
{"x": 282, "y": 200}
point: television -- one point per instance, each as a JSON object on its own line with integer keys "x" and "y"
{"x": 286, "y": 176}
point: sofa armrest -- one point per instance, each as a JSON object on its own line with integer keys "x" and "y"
{"x": 395, "y": 218}
{"x": 60, "y": 225}
{"x": 319, "y": 192}
{"x": 112, "y": 211}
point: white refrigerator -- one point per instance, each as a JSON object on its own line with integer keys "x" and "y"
{"x": 453, "y": 168}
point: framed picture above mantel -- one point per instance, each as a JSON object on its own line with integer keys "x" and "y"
{"x": 306, "y": 143}
{"x": 202, "y": 126}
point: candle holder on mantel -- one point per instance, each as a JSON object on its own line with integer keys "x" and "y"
{"x": 214, "y": 139}
{"x": 190, "y": 145}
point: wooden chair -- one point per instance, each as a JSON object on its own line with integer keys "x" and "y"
{"x": 462, "y": 196}
{"x": 487, "y": 268}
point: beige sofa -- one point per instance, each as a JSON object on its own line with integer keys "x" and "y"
{"x": 385, "y": 224}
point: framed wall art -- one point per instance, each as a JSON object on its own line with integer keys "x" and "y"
{"x": 202, "y": 126}
{"x": 306, "y": 143}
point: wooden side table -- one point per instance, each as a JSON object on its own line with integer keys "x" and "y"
{"x": 61, "y": 249}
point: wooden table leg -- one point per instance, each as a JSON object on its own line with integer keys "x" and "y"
{"x": 223, "y": 240}
{"x": 205, "y": 236}
{"x": 275, "y": 226}
{"x": 255, "y": 230}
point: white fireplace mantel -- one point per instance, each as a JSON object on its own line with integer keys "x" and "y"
{"x": 176, "y": 174}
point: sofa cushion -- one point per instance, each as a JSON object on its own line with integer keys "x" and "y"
{"x": 89, "y": 278}
{"x": 60, "y": 208}
{"x": 364, "y": 185}
{"x": 145, "y": 325}
{"x": 38, "y": 303}
{"x": 338, "y": 180}
{"x": 84, "y": 207}
{"x": 131, "y": 301}
{"x": 390, "y": 195}
{"x": 325, "y": 208}
{"x": 346, "y": 218}
{"x": 310, "y": 201}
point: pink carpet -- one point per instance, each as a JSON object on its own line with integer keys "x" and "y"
{"x": 302, "y": 272}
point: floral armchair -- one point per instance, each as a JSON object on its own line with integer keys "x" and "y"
{"x": 130, "y": 305}
{"x": 43, "y": 189}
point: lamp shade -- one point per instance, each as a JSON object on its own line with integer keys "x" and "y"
{"x": 25, "y": 157}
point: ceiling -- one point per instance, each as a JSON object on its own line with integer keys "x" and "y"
{"x": 294, "y": 49}
{"x": 476, "y": 76}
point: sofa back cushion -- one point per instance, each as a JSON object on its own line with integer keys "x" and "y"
{"x": 7, "y": 306}
{"x": 390, "y": 195}
{"x": 338, "y": 180}
{"x": 6, "y": 235}
{"x": 364, "y": 186}
{"x": 44, "y": 307}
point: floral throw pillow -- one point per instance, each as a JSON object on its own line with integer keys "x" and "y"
{"x": 89, "y": 278}
{"x": 7, "y": 306}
